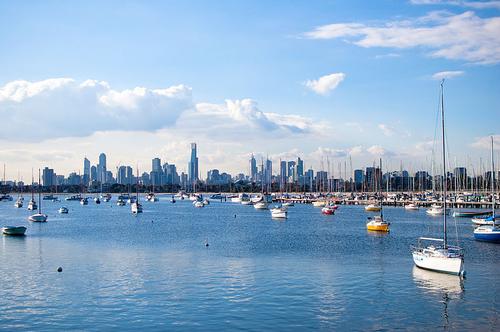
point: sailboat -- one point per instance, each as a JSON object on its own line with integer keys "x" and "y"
{"x": 440, "y": 257}
{"x": 490, "y": 233}
{"x": 38, "y": 217}
{"x": 136, "y": 207}
{"x": 32, "y": 204}
{"x": 378, "y": 223}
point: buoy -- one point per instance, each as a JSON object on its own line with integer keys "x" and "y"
{"x": 206, "y": 243}
{"x": 235, "y": 216}
{"x": 59, "y": 269}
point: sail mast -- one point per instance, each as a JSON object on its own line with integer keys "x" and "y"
{"x": 444, "y": 181}
{"x": 492, "y": 182}
{"x": 39, "y": 192}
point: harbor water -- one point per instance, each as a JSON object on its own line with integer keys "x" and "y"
{"x": 154, "y": 271}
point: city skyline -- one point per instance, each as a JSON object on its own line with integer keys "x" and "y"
{"x": 325, "y": 80}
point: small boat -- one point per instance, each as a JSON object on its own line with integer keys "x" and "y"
{"x": 106, "y": 197}
{"x": 217, "y": 196}
{"x": 198, "y": 204}
{"x": 63, "y": 210}
{"x": 172, "y": 200}
{"x": 373, "y": 207}
{"x": 18, "y": 204}
{"x": 328, "y": 210}
{"x": 97, "y": 200}
{"x": 319, "y": 203}
{"x": 261, "y": 205}
{"x": 84, "y": 201}
{"x": 206, "y": 202}
{"x": 377, "y": 224}
{"x": 469, "y": 214}
{"x": 48, "y": 197}
{"x": 484, "y": 221}
{"x": 32, "y": 205}
{"x": 411, "y": 207}
{"x": 14, "y": 230}
{"x": 151, "y": 197}
{"x": 490, "y": 233}
{"x": 38, "y": 217}
{"x": 246, "y": 202}
{"x": 120, "y": 202}
{"x": 279, "y": 212}
{"x": 435, "y": 211}
{"x": 288, "y": 204}
{"x": 136, "y": 207}
{"x": 74, "y": 198}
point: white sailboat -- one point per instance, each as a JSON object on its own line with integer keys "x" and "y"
{"x": 38, "y": 217}
{"x": 136, "y": 207}
{"x": 440, "y": 256}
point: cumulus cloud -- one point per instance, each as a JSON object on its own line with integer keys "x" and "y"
{"x": 386, "y": 129}
{"x": 463, "y": 36}
{"x": 447, "y": 74}
{"x": 244, "y": 114}
{"x": 377, "y": 150}
{"x": 325, "y": 84}
{"x": 63, "y": 107}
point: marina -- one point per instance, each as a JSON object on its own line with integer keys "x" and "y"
{"x": 156, "y": 268}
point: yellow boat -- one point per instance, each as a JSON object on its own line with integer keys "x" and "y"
{"x": 377, "y": 224}
{"x": 373, "y": 208}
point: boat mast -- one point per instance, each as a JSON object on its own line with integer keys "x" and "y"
{"x": 39, "y": 193}
{"x": 444, "y": 181}
{"x": 492, "y": 182}
{"x": 380, "y": 193}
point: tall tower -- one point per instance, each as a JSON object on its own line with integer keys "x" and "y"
{"x": 86, "y": 171}
{"x": 101, "y": 168}
{"x": 253, "y": 168}
{"x": 193, "y": 165}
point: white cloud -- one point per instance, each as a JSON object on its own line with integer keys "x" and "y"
{"x": 325, "y": 84}
{"x": 485, "y": 142}
{"x": 62, "y": 107}
{"x": 386, "y": 129}
{"x": 472, "y": 4}
{"x": 447, "y": 74}
{"x": 458, "y": 37}
{"x": 377, "y": 150}
{"x": 240, "y": 116}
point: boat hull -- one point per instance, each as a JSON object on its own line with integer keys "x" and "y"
{"x": 373, "y": 208}
{"x": 487, "y": 234}
{"x": 377, "y": 227}
{"x": 14, "y": 231}
{"x": 39, "y": 217}
{"x": 450, "y": 265}
{"x": 261, "y": 206}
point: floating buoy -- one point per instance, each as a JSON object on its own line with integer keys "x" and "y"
{"x": 59, "y": 269}
{"x": 206, "y": 243}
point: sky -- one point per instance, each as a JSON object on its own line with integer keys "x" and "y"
{"x": 343, "y": 80}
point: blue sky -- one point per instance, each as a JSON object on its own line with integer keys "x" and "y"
{"x": 263, "y": 52}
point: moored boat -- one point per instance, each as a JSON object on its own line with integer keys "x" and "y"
{"x": 63, "y": 210}
{"x": 14, "y": 230}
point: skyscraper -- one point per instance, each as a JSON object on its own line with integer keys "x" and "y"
{"x": 86, "y": 171}
{"x": 300, "y": 169}
{"x": 156, "y": 172}
{"x": 283, "y": 174}
{"x": 101, "y": 168}
{"x": 48, "y": 178}
{"x": 253, "y": 168}
{"x": 193, "y": 165}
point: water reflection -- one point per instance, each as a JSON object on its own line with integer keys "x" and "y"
{"x": 447, "y": 287}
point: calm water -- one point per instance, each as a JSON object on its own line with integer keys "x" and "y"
{"x": 309, "y": 272}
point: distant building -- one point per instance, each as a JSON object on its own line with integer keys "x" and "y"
{"x": 253, "y": 168}
{"x": 93, "y": 173}
{"x": 299, "y": 169}
{"x": 48, "y": 177}
{"x": 101, "y": 168}
{"x": 359, "y": 177}
{"x": 193, "y": 165}
{"x": 86, "y": 171}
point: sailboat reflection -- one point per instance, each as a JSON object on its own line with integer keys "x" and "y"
{"x": 447, "y": 286}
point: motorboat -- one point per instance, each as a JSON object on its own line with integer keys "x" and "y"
{"x": 74, "y": 198}
{"x": 484, "y": 220}
{"x": 120, "y": 202}
{"x": 198, "y": 204}
{"x": 469, "y": 214}
{"x": 279, "y": 212}
{"x": 38, "y": 217}
{"x": 84, "y": 201}
{"x": 319, "y": 203}
{"x": 97, "y": 200}
{"x": 32, "y": 205}
{"x": 261, "y": 205}
{"x": 411, "y": 207}
{"x": 206, "y": 202}
{"x": 328, "y": 210}
{"x": 288, "y": 204}
{"x": 14, "y": 230}
{"x": 435, "y": 211}
{"x": 151, "y": 197}
{"x": 373, "y": 207}
{"x": 63, "y": 210}
{"x": 18, "y": 204}
{"x": 48, "y": 197}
